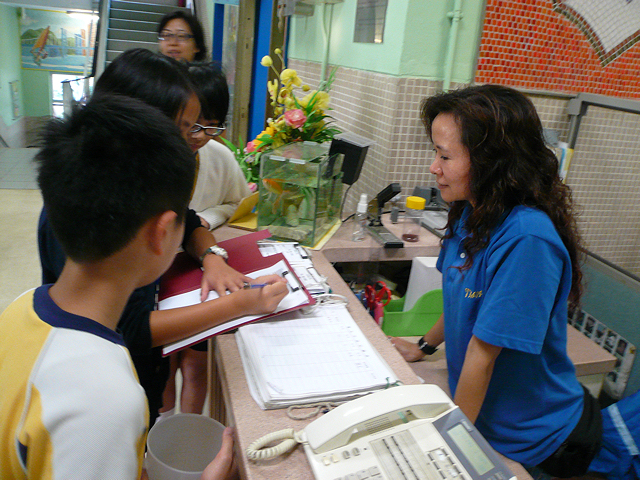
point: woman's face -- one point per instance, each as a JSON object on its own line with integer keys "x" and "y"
{"x": 188, "y": 118}
{"x": 452, "y": 165}
{"x": 179, "y": 48}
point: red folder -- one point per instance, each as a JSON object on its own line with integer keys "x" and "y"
{"x": 185, "y": 275}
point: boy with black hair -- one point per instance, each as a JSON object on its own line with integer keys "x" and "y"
{"x": 70, "y": 403}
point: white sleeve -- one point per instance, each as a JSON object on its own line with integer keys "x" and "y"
{"x": 93, "y": 409}
{"x": 220, "y": 186}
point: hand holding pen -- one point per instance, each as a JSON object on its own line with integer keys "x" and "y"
{"x": 265, "y": 293}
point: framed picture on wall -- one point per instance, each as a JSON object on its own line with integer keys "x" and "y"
{"x": 15, "y": 98}
{"x": 57, "y": 41}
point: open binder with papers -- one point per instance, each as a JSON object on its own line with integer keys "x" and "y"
{"x": 180, "y": 285}
{"x": 301, "y": 359}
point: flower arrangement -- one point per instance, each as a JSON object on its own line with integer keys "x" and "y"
{"x": 294, "y": 119}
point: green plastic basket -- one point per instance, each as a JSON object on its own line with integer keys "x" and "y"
{"x": 417, "y": 321}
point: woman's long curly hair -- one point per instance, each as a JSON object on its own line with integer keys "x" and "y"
{"x": 510, "y": 166}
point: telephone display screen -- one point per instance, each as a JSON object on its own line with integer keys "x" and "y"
{"x": 467, "y": 445}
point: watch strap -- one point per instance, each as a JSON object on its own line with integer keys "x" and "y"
{"x": 426, "y": 348}
{"x": 215, "y": 250}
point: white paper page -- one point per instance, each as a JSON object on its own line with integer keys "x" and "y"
{"x": 314, "y": 355}
{"x": 300, "y": 261}
{"x": 293, "y": 299}
{"x": 292, "y": 251}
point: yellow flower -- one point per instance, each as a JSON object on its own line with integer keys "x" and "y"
{"x": 289, "y": 76}
{"x": 277, "y": 51}
{"x": 304, "y": 101}
{"x": 322, "y": 100}
{"x": 266, "y": 61}
{"x": 272, "y": 87}
{"x": 306, "y": 88}
{"x": 289, "y": 102}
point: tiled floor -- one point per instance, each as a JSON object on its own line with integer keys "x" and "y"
{"x": 20, "y": 205}
{"x": 19, "y": 264}
{"x": 17, "y": 170}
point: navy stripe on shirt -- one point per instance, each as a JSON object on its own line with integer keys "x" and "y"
{"x": 53, "y": 315}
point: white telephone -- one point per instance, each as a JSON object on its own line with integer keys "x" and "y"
{"x": 406, "y": 432}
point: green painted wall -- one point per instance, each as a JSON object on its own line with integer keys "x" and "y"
{"x": 9, "y": 60}
{"x": 37, "y": 93}
{"x": 415, "y": 39}
{"x": 35, "y": 85}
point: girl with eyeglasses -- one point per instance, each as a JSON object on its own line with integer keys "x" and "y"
{"x": 219, "y": 188}
{"x": 220, "y": 185}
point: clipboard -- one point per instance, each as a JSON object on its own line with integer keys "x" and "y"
{"x": 244, "y": 217}
{"x": 180, "y": 285}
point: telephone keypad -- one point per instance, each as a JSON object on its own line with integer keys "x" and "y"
{"x": 407, "y": 455}
{"x": 372, "y": 473}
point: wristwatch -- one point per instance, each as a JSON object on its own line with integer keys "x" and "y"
{"x": 426, "y": 348}
{"x": 216, "y": 250}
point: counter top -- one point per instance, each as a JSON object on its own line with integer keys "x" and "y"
{"x": 251, "y": 423}
{"x": 340, "y": 247}
{"x": 242, "y": 411}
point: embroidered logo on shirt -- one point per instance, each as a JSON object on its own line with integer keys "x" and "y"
{"x": 468, "y": 293}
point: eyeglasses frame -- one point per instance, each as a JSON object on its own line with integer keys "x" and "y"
{"x": 197, "y": 128}
{"x": 180, "y": 37}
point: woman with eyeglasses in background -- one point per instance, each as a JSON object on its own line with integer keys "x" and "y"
{"x": 180, "y": 36}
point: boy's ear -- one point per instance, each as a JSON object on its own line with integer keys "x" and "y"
{"x": 158, "y": 228}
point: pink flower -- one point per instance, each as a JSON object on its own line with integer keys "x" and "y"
{"x": 253, "y": 187}
{"x": 295, "y": 118}
{"x": 251, "y": 146}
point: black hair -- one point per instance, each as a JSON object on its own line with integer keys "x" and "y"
{"x": 213, "y": 92}
{"x": 107, "y": 169}
{"x": 196, "y": 31}
{"x": 153, "y": 78}
{"x": 510, "y": 165}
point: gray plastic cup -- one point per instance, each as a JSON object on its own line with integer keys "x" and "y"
{"x": 181, "y": 447}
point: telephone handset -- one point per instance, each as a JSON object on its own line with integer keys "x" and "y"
{"x": 385, "y": 435}
{"x": 375, "y": 412}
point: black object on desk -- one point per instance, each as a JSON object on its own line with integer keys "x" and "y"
{"x": 378, "y": 231}
{"x": 355, "y": 150}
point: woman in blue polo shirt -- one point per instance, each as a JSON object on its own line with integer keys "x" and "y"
{"x": 510, "y": 266}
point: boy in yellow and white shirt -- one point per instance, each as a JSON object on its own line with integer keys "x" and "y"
{"x": 70, "y": 402}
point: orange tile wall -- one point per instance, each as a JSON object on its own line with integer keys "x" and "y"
{"x": 526, "y": 44}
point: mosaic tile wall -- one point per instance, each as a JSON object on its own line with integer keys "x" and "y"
{"x": 562, "y": 45}
{"x": 604, "y": 173}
